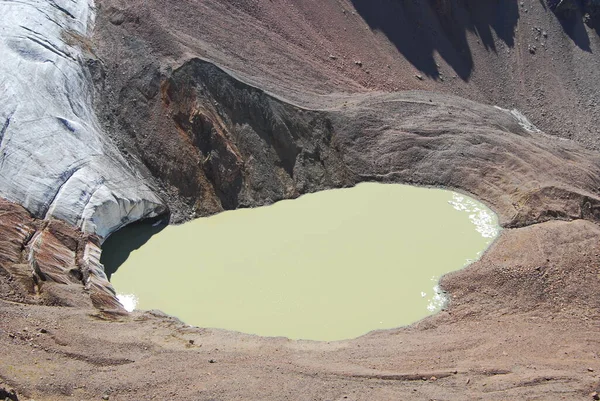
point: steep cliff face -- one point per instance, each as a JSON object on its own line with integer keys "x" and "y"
{"x": 54, "y": 159}
{"x": 219, "y": 143}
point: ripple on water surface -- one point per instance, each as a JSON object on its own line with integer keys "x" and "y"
{"x": 326, "y": 266}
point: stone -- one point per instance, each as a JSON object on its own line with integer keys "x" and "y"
{"x": 8, "y": 394}
{"x": 595, "y": 395}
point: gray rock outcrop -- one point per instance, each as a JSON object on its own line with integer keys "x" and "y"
{"x": 54, "y": 159}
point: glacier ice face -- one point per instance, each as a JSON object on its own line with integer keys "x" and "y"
{"x": 54, "y": 159}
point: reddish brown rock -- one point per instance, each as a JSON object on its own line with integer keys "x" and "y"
{"x": 49, "y": 262}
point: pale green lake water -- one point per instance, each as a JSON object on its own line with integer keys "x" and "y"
{"x": 326, "y": 266}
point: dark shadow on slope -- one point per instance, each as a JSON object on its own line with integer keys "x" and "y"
{"x": 117, "y": 248}
{"x": 574, "y": 27}
{"x": 594, "y": 24}
{"x": 419, "y": 29}
{"x": 573, "y": 15}
{"x": 592, "y": 16}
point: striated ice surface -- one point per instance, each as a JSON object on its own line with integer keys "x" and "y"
{"x": 54, "y": 159}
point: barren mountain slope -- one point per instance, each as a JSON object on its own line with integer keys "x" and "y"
{"x": 508, "y": 53}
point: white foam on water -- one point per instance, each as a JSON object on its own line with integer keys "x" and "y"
{"x": 129, "y": 301}
{"x": 485, "y": 223}
{"x": 438, "y": 301}
{"x": 484, "y": 220}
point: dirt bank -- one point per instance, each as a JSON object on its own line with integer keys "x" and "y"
{"x": 522, "y": 325}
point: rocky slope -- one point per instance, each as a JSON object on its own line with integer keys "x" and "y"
{"x": 514, "y": 54}
{"x": 523, "y": 325}
{"x": 289, "y": 103}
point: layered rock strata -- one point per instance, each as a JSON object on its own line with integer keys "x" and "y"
{"x": 50, "y": 262}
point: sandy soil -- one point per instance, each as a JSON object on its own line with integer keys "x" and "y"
{"x": 523, "y": 325}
